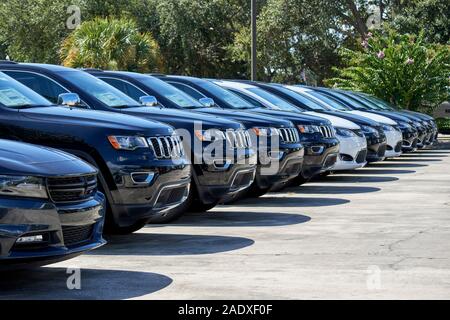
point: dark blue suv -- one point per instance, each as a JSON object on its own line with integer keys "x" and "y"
{"x": 50, "y": 209}
{"x": 136, "y": 178}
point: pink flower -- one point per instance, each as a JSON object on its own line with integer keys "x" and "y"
{"x": 369, "y": 35}
{"x": 381, "y": 55}
{"x": 409, "y": 61}
{"x": 365, "y": 44}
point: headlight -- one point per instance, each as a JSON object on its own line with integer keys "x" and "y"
{"x": 344, "y": 132}
{"x": 127, "y": 142}
{"x": 22, "y": 186}
{"x": 388, "y": 128}
{"x": 367, "y": 129}
{"x": 308, "y": 129}
{"x": 210, "y": 135}
{"x": 266, "y": 132}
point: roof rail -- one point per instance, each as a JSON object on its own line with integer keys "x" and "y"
{"x": 91, "y": 69}
{"x": 7, "y": 62}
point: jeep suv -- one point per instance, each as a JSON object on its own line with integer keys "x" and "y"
{"x": 137, "y": 179}
{"x": 50, "y": 209}
{"x": 283, "y": 163}
{"x": 211, "y": 182}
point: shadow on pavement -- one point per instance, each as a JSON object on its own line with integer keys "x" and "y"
{"x": 380, "y": 171}
{"x": 405, "y": 159}
{"x": 161, "y": 244}
{"x": 354, "y": 178}
{"x": 308, "y": 189}
{"x": 240, "y": 219}
{"x": 51, "y": 283}
{"x": 396, "y": 165}
{"x": 290, "y": 202}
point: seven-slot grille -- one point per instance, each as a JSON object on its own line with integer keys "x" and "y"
{"x": 326, "y": 131}
{"x": 289, "y": 135}
{"x": 238, "y": 139}
{"x": 72, "y": 189}
{"x": 166, "y": 147}
{"x": 74, "y": 235}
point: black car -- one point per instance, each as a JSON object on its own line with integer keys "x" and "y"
{"x": 412, "y": 131}
{"x": 50, "y": 209}
{"x": 425, "y": 124}
{"x": 174, "y": 99}
{"x": 212, "y": 182}
{"x": 372, "y": 130}
{"x": 136, "y": 178}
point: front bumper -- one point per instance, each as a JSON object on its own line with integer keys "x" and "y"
{"x": 135, "y": 199}
{"x": 410, "y": 140}
{"x": 320, "y": 156}
{"x": 67, "y": 230}
{"x": 352, "y": 153}
{"x": 282, "y": 169}
{"x": 376, "y": 147}
{"x": 393, "y": 144}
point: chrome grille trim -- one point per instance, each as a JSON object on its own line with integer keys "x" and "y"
{"x": 166, "y": 147}
{"x": 289, "y": 135}
{"x": 238, "y": 139}
{"x": 326, "y": 131}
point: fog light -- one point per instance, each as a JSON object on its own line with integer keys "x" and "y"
{"x": 31, "y": 239}
{"x": 142, "y": 177}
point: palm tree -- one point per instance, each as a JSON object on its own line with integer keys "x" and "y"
{"x": 113, "y": 44}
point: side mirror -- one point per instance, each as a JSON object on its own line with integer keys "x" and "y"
{"x": 207, "y": 102}
{"x": 148, "y": 101}
{"x": 69, "y": 99}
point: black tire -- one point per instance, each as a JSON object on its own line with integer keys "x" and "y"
{"x": 112, "y": 228}
{"x": 298, "y": 181}
{"x": 198, "y": 206}
{"x": 255, "y": 192}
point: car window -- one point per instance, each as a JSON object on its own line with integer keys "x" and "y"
{"x": 330, "y": 101}
{"x": 248, "y": 98}
{"x": 188, "y": 90}
{"x": 281, "y": 104}
{"x": 14, "y": 94}
{"x": 40, "y": 84}
{"x": 125, "y": 87}
{"x": 226, "y": 96}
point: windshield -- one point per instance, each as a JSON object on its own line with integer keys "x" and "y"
{"x": 333, "y": 103}
{"x": 15, "y": 95}
{"x": 273, "y": 99}
{"x": 171, "y": 93}
{"x": 228, "y": 97}
{"x": 378, "y": 102}
{"x": 104, "y": 92}
{"x": 352, "y": 102}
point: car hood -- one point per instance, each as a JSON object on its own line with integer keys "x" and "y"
{"x": 391, "y": 114}
{"x": 336, "y": 121}
{"x": 248, "y": 119}
{"x": 183, "y": 119}
{"x": 17, "y": 158}
{"x": 415, "y": 113}
{"x": 101, "y": 119}
{"x": 375, "y": 117}
{"x": 359, "y": 120}
{"x": 299, "y": 118}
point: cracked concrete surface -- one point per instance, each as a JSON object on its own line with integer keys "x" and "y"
{"x": 380, "y": 232}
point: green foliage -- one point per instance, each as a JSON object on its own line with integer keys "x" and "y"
{"x": 402, "y": 69}
{"x": 443, "y": 125}
{"x": 111, "y": 44}
{"x": 32, "y": 30}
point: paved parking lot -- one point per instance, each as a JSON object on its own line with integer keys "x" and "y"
{"x": 379, "y": 232}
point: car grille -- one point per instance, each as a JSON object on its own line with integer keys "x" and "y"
{"x": 242, "y": 180}
{"x": 361, "y": 157}
{"x": 238, "y": 139}
{"x": 75, "y": 235}
{"x": 167, "y": 147}
{"x": 289, "y": 135}
{"x": 398, "y": 147}
{"x": 326, "y": 131}
{"x": 172, "y": 196}
{"x": 382, "y": 150}
{"x": 72, "y": 189}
